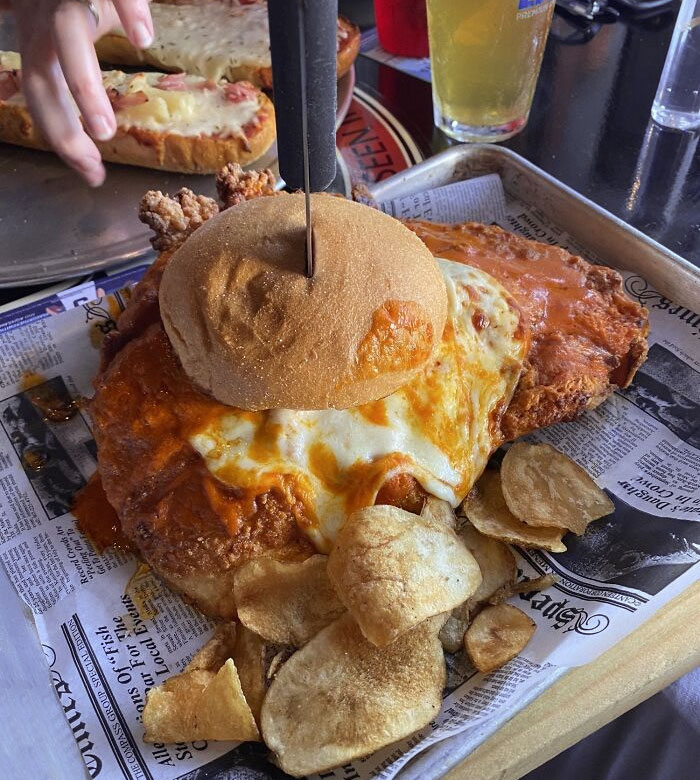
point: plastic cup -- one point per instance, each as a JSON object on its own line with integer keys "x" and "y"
{"x": 402, "y": 27}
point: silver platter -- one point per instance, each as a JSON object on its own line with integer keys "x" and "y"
{"x": 53, "y": 226}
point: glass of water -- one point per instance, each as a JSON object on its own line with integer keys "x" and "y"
{"x": 677, "y": 101}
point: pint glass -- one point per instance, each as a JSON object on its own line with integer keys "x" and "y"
{"x": 485, "y": 57}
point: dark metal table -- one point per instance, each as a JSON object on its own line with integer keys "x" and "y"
{"x": 590, "y": 124}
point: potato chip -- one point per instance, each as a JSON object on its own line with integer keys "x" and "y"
{"x": 524, "y": 586}
{"x": 169, "y": 712}
{"x": 249, "y": 655}
{"x": 451, "y": 635}
{"x": 214, "y": 654}
{"x": 495, "y": 559}
{"x": 222, "y": 713}
{"x": 199, "y": 704}
{"x": 544, "y": 487}
{"x": 394, "y": 569}
{"x": 534, "y": 584}
{"x": 439, "y": 511}
{"x": 277, "y": 661}
{"x": 286, "y": 602}
{"x": 496, "y": 635}
{"x": 486, "y": 508}
{"x": 340, "y": 697}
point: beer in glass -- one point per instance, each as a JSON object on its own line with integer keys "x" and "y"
{"x": 485, "y": 57}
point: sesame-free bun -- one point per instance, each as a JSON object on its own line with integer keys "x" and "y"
{"x": 254, "y": 332}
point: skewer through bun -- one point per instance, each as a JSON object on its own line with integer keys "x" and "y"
{"x": 254, "y": 332}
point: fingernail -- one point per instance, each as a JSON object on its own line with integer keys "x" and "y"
{"x": 93, "y": 172}
{"x": 97, "y": 177}
{"x": 143, "y": 37}
{"x": 102, "y": 127}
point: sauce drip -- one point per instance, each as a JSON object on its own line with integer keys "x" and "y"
{"x": 46, "y": 396}
{"x": 97, "y": 518}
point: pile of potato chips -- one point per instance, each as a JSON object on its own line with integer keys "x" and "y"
{"x": 340, "y": 655}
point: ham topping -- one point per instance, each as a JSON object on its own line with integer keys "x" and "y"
{"x": 124, "y": 101}
{"x": 9, "y": 83}
{"x": 240, "y": 91}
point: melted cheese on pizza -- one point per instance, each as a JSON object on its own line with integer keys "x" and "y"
{"x": 209, "y": 39}
{"x": 212, "y": 39}
{"x": 170, "y": 103}
{"x": 189, "y": 105}
{"x": 441, "y": 428}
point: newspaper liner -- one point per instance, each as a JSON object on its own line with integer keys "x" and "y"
{"x": 110, "y": 630}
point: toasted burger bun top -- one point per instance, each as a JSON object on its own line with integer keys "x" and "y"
{"x": 254, "y": 332}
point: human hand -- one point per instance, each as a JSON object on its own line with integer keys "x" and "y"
{"x": 56, "y": 41}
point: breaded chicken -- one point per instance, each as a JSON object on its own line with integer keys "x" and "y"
{"x": 587, "y": 339}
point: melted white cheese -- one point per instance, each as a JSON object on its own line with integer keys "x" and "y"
{"x": 212, "y": 39}
{"x": 439, "y": 428}
{"x": 188, "y": 112}
{"x": 192, "y": 111}
{"x": 209, "y": 39}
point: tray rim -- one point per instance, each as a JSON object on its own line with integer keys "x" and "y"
{"x": 137, "y": 247}
{"x": 402, "y": 184}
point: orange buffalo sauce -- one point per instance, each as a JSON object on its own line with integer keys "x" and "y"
{"x": 400, "y": 337}
{"x": 97, "y": 518}
{"x": 581, "y": 321}
{"x": 50, "y": 402}
{"x": 546, "y": 280}
{"x": 145, "y": 412}
{"x": 375, "y": 412}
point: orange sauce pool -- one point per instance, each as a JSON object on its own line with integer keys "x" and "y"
{"x": 97, "y": 518}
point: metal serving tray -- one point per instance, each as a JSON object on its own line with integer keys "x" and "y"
{"x": 613, "y": 242}
{"x": 53, "y": 226}
{"x": 620, "y": 246}
{"x": 610, "y": 239}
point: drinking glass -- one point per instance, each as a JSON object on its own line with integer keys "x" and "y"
{"x": 677, "y": 101}
{"x": 485, "y": 57}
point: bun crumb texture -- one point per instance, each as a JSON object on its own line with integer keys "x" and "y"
{"x": 253, "y": 331}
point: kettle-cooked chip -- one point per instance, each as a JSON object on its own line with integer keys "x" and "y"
{"x": 286, "y": 602}
{"x": 524, "y": 586}
{"x": 496, "y": 635}
{"x": 199, "y": 704}
{"x": 249, "y": 654}
{"x": 488, "y": 512}
{"x": 497, "y": 564}
{"x": 277, "y": 661}
{"x": 544, "y": 487}
{"x": 214, "y": 654}
{"x": 340, "y": 697}
{"x": 451, "y": 635}
{"x": 532, "y": 585}
{"x": 439, "y": 510}
{"x": 495, "y": 559}
{"x": 394, "y": 569}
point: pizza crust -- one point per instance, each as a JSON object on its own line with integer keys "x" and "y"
{"x": 153, "y": 149}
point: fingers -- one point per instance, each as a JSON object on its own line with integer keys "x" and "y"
{"x": 73, "y": 32}
{"x": 58, "y": 55}
{"x": 135, "y": 17}
{"x": 48, "y": 101}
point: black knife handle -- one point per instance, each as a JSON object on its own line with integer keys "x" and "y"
{"x": 320, "y": 20}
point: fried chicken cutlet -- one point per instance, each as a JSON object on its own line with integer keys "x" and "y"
{"x": 194, "y": 529}
{"x": 588, "y": 337}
